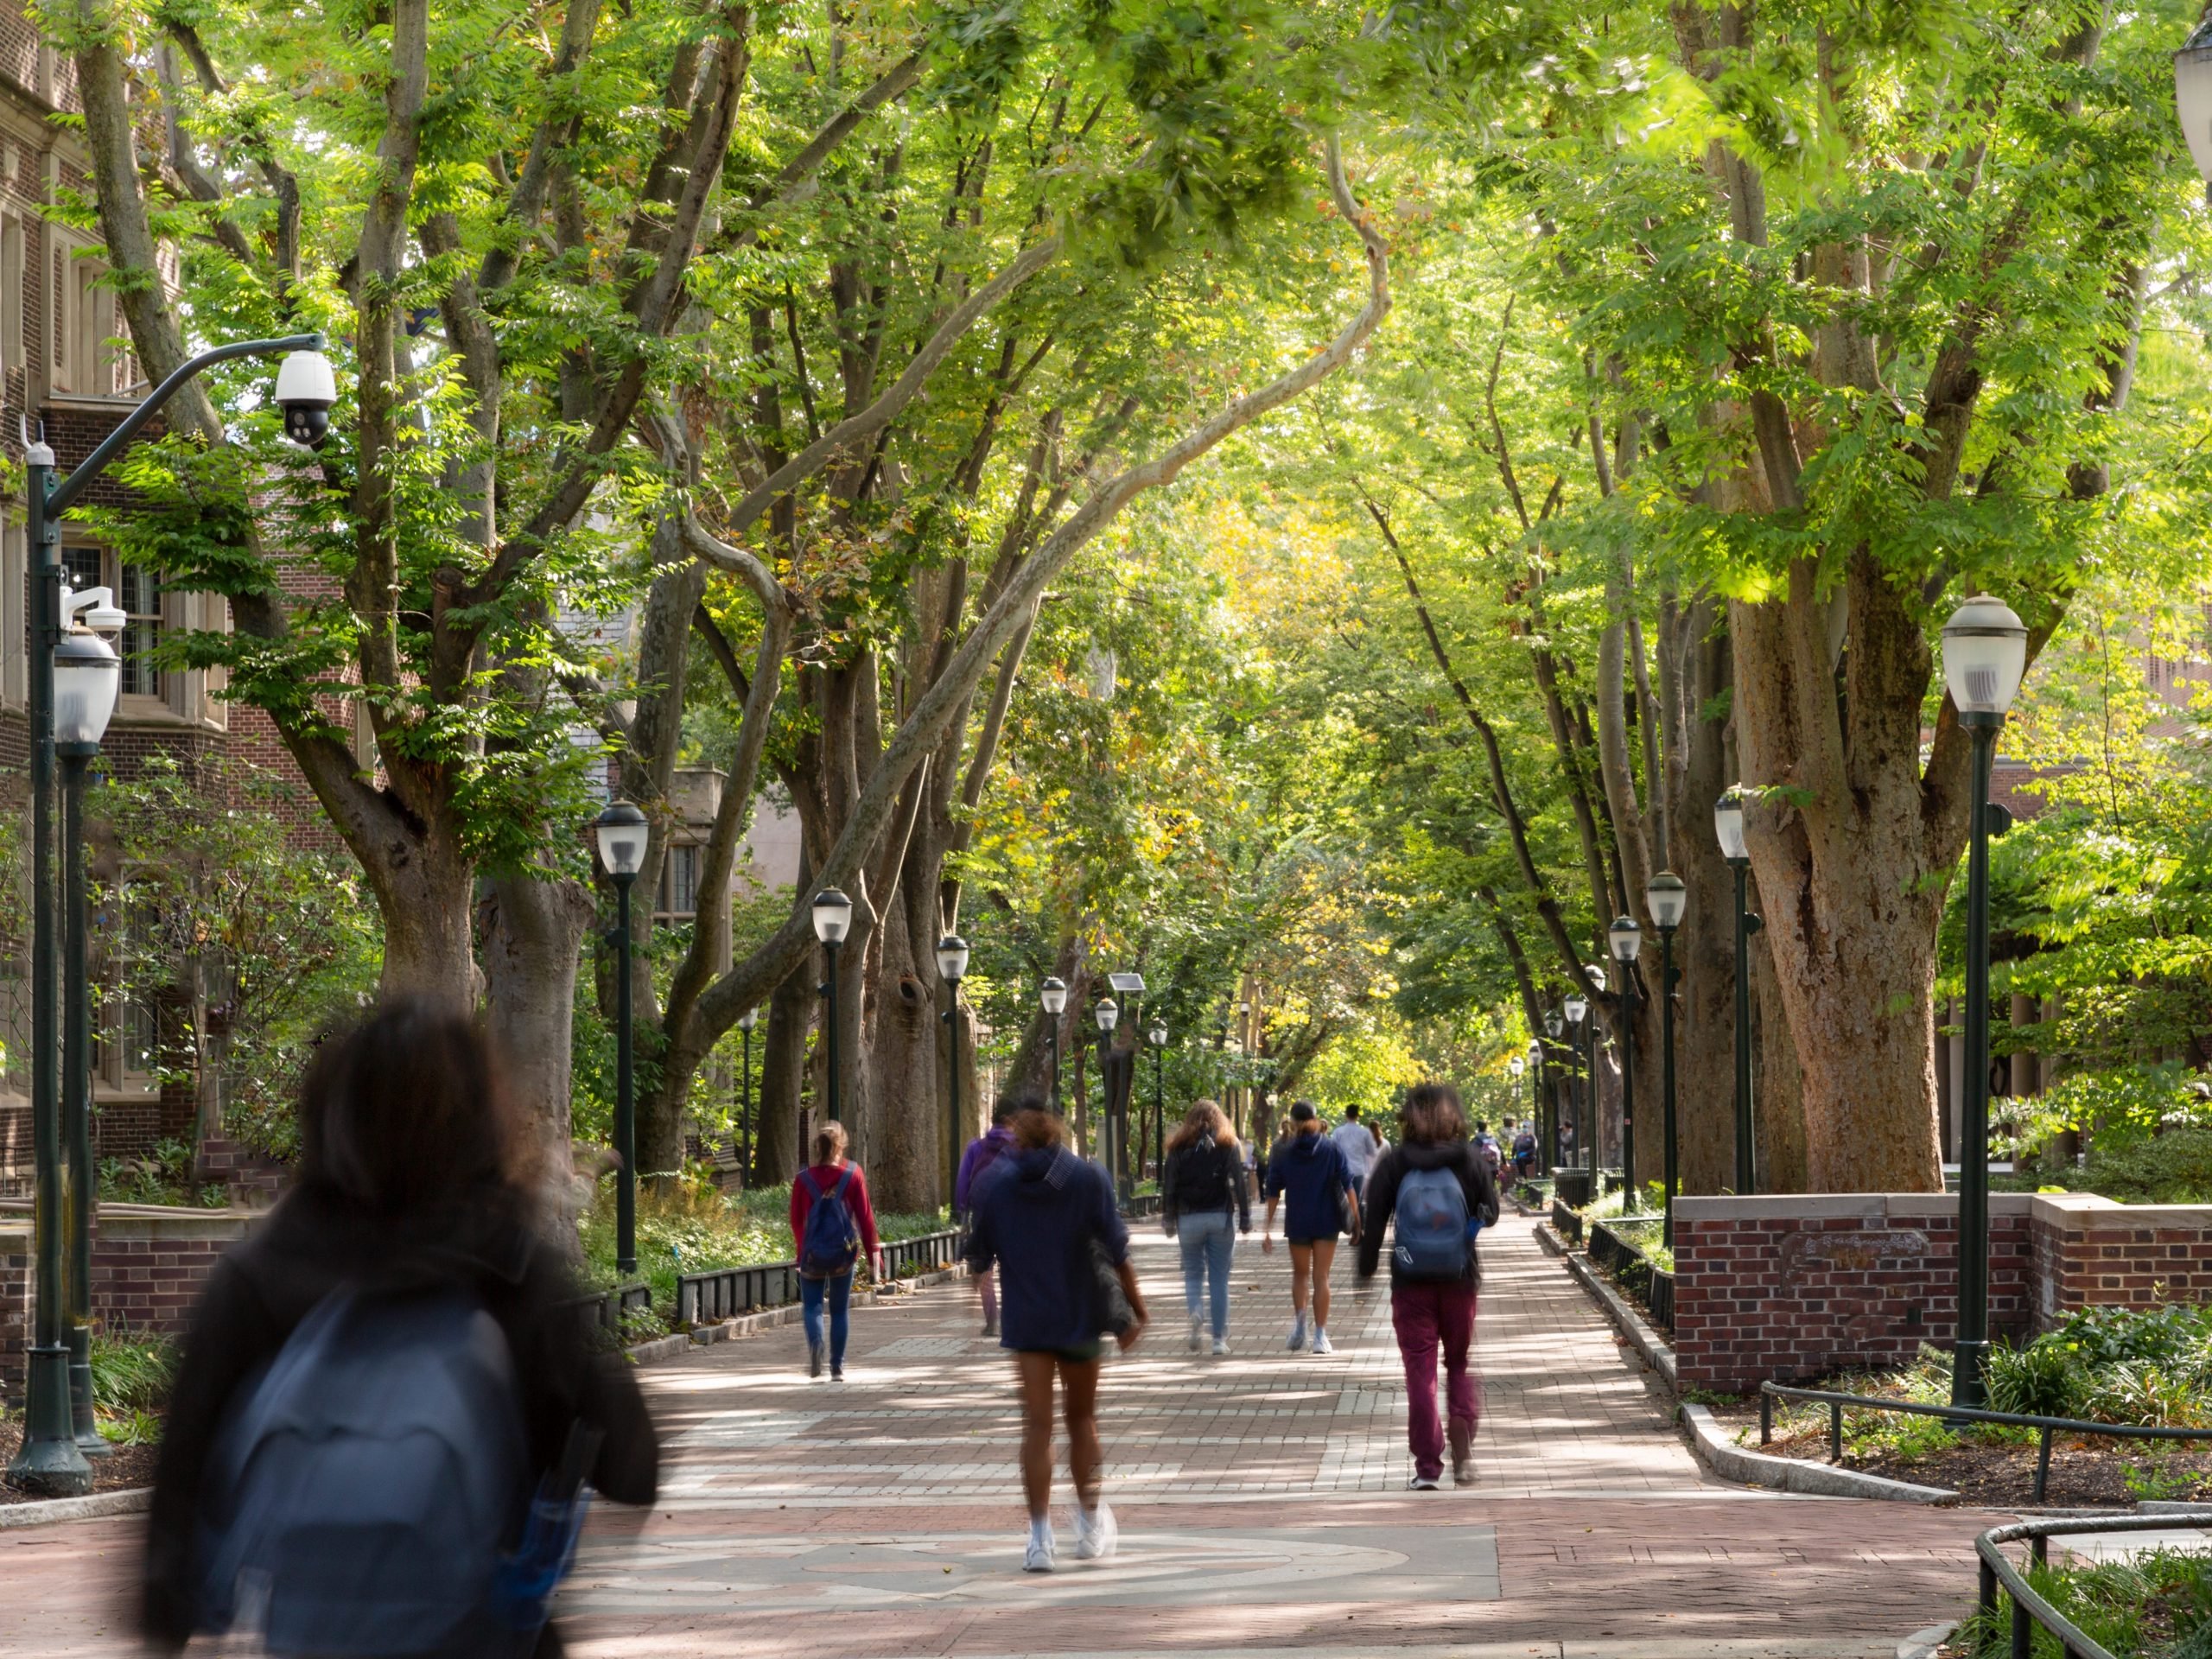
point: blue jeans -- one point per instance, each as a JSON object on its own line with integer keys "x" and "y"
{"x": 839, "y": 1293}
{"x": 1208, "y": 1238}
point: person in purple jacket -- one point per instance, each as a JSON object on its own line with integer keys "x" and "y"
{"x": 982, "y": 1156}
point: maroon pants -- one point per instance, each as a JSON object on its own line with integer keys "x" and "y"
{"x": 1427, "y": 1317}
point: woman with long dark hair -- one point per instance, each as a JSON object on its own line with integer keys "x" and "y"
{"x": 1439, "y": 1192}
{"x": 1205, "y": 1204}
{"x": 414, "y": 1213}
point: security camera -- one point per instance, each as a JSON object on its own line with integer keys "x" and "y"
{"x": 305, "y": 391}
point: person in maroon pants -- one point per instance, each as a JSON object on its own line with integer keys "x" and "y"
{"x": 1438, "y": 1193}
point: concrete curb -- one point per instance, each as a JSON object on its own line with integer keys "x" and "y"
{"x": 1922, "y": 1644}
{"x": 1710, "y": 1445}
{"x": 135, "y": 1500}
{"x": 768, "y": 1318}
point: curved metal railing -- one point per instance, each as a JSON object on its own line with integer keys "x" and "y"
{"x": 1838, "y": 1403}
{"x": 2029, "y": 1609}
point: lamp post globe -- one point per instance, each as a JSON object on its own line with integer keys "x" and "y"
{"x": 622, "y": 833}
{"x": 952, "y": 958}
{"x": 1668, "y": 899}
{"x": 2193, "y": 94}
{"x": 1108, "y": 1014}
{"x": 87, "y": 674}
{"x": 833, "y": 916}
{"x": 1985, "y": 656}
{"x": 1517, "y": 1065}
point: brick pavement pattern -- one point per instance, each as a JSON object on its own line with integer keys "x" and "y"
{"x": 1261, "y": 1500}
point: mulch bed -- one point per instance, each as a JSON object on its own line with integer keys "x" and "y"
{"x": 2084, "y": 1473}
{"x": 125, "y": 1466}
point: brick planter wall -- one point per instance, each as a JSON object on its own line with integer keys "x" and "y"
{"x": 1788, "y": 1287}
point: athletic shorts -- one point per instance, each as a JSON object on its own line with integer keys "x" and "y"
{"x": 1323, "y": 1238}
{"x": 1084, "y": 1353}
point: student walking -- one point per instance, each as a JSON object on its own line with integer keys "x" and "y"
{"x": 982, "y": 1156}
{"x": 1358, "y": 1143}
{"x": 1441, "y": 1192}
{"x": 832, "y": 1222}
{"x": 1308, "y": 1172}
{"x": 1049, "y": 1223}
{"x": 381, "y": 1393}
{"x": 1205, "y": 1204}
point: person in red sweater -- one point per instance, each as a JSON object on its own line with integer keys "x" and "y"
{"x": 831, "y": 1172}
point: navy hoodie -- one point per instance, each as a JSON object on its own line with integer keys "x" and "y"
{"x": 1036, "y": 1219}
{"x": 1312, "y": 1177}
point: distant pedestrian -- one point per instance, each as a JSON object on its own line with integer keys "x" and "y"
{"x": 1524, "y": 1151}
{"x": 1441, "y": 1193}
{"x": 383, "y": 1412}
{"x": 982, "y": 1156}
{"x": 1357, "y": 1141}
{"x": 1204, "y": 1204}
{"x": 832, "y": 1225}
{"x": 1049, "y": 1223}
{"x": 1487, "y": 1150}
{"x": 1309, "y": 1172}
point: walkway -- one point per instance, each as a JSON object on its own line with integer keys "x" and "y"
{"x": 1260, "y": 1496}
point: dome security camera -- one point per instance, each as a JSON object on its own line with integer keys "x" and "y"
{"x": 306, "y": 389}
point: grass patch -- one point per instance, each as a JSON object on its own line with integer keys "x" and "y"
{"x": 2156, "y": 1606}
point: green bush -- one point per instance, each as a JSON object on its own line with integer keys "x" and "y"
{"x": 2175, "y": 1168}
{"x": 132, "y": 1373}
{"x": 2041, "y": 1380}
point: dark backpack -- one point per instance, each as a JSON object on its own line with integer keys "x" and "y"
{"x": 1431, "y": 1225}
{"x": 832, "y": 1242}
{"x": 364, "y": 1499}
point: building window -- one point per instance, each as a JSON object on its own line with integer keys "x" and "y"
{"x": 13, "y": 352}
{"x": 679, "y": 882}
{"x": 140, "y": 596}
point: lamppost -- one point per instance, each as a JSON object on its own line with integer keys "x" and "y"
{"x": 1577, "y": 1008}
{"x": 1667, "y": 900}
{"x": 745, "y": 1021}
{"x": 1985, "y": 654}
{"x": 50, "y": 1463}
{"x": 1553, "y": 1025}
{"x": 833, "y": 916}
{"x": 87, "y": 674}
{"x": 952, "y": 968}
{"x": 622, "y": 835}
{"x": 1158, "y": 1034}
{"x": 1108, "y": 1012}
{"x": 1728, "y": 829}
{"x": 1053, "y": 997}
{"x": 1518, "y": 1065}
{"x": 1597, "y": 1125}
{"x": 1626, "y": 939}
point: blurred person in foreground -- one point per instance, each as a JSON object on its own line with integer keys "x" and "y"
{"x": 383, "y": 1417}
{"x": 1049, "y": 1221}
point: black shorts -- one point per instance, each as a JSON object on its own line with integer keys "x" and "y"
{"x": 1084, "y": 1353}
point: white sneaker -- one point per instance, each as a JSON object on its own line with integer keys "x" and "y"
{"x": 1297, "y": 1342}
{"x": 1197, "y": 1333}
{"x": 1221, "y": 1345}
{"x": 1321, "y": 1341}
{"x": 1038, "y": 1558}
{"x": 1096, "y": 1534}
{"x": 1422, "y": 1484}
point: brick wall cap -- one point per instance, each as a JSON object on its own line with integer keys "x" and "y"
{"x": 1780, "y": 1207}
{"x": 2175, "y": 1218}
{"x": 175, "y": 1224}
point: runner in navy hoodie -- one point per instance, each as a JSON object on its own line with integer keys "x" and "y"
{"x": 981, "y": 1157}
{"x": 1309, "y": 1170}
{"x": 1048, "y": 1220}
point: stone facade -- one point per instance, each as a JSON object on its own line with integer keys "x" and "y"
{"x": 1787, "y": 1288}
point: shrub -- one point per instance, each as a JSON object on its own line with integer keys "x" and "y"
{"x": 132, "y": 1375}
{"x": 2144, "y": 1392}
{"x": 2041, "y": 1380}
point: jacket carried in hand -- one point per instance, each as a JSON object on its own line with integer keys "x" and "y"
{"x": 1206, "y": 1176}
{"x": 1457, "y": 1156}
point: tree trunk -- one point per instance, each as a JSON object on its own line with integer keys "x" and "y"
{"x": 1705, "y": 944}
{"x": 426, "y": 900}
{"x": 906, "y": 1063}
{"x": 532, "y": 949}
{"x": 776, "y": 1150}
{"x": 1778, "y": 1092}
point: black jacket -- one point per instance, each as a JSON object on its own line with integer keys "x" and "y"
{"x": 311, "y": 1244}
{"x": 1382, "y": 1201}
{"x": 1206, "y": 1176}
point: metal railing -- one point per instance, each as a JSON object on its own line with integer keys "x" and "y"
{"x": 1637, "y": 1272}
{"x": 1567, "y": 1221}
{"x": 602, "y": 1311}
{"x": 1144, "y": 1203}
{"x": 2029, "y": 1609}
{"x": 1838, "y": 1403}
{"x": 902, "y": 1258}
{"x": 724, "y": 1293}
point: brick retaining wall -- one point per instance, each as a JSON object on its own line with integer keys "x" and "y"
{"x": 1790, "y": 1288}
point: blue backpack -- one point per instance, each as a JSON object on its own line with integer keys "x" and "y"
{"x": 373, "y": 1496}
{"x": 832, "y": 1242}
{"x": 1432, "y": 1240}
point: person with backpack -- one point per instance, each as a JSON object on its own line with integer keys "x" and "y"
{"x": 384, "y": 1416}
{"x": 1487, "y": 1149}
{"x": 1308, "y": 1171}
{"x": 1439, "y": 1194}
{"x": 982, "y": 1156}
{"x": 1203, "y": 1204}
{"x": 832, "y": 1223}
{"x": 1524, "y": 1151}
{"x": 1049, "y": 1221}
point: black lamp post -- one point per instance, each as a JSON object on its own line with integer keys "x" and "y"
{"x": 1668, "y": 899}
{"x": 1985, "y": 654}
{"x": 833, "y": 917}
{"x": 1594, "y": 1100}
{"x": 1626, "y": 938}
{"x": 1053, "y": 997}
{"x": 952, "y": 968}
{"x": 1553, "y": 1025}
{"x": 1728, "y": 829}
{"x": 1159, "y": 1099}
{"x": 745, "y": 1021}
{"x": 50, "y": 1463}
{"x": 1108, "y": 1014}
{"x": 623, "y": 833}
{"x": 1578, "y": 1090}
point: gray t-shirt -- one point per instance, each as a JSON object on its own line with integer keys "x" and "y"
{"x": 1357, "y": 1144}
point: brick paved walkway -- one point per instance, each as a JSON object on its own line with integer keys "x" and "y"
{"x": 1260, "y": 1496}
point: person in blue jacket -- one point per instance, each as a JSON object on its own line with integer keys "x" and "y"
{"x": 1308, "y": 1174}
